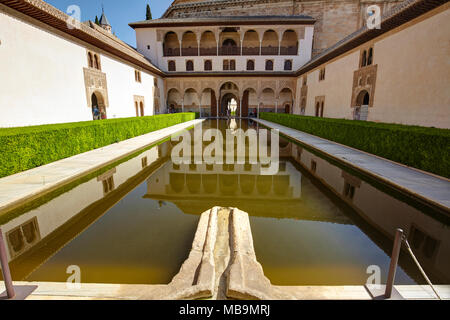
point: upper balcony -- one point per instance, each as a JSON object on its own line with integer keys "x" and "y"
{"x": 230, "y": 42}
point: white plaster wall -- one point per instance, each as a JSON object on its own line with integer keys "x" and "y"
{"x": 337, "y": 87}
{"x": 122, "y": 88}
{"x": 412, "y": 78}
{"x": 414, "y": 74}
{"x": 42, "y": 78}
{"x": 145, "y": 37}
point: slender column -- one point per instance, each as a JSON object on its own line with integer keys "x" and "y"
{"x": 182, "y": 106}
{"x": 276, "y": 106}
{"x": 240, "y": 109}
{"x": 217, "y": 107}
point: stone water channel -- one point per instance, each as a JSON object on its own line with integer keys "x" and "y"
{"x": 139, "y": 221}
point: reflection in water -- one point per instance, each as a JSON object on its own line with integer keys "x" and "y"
{"x": 312, "y": 222}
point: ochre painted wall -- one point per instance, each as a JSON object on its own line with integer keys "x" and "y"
{"x": 413, "y": 76}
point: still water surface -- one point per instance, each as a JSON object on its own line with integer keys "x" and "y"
{"x": 312, "y": 222}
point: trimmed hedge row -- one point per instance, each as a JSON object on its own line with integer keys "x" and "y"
{"x": 30, "y": 147}
{"x": 424, "y": 148}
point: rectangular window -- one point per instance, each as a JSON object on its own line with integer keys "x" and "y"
{"x": 226, "y": 65}
{"x": 349, "y": 191}
{"x": 313, "y": 166}
{"x": 322, "y": 74}
{"x": 108, "y": 185}
{"x": 424, "y": 245}
{"x": 171, "y": 65}
{"x": 144, "y": 162}
{"x": 250, "y": 65}
{"x": 137, "y": 76}
{"x": 287, "y": 65}
{"x": 189, "y": 65}
{"x": 208, "y": 65}
{"x": 233, "y": 65}
{"x": 23, "y": 237}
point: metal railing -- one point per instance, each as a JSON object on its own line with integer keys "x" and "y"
{"x": 230, "y": 51}
{"x": 5, "y": 269}
{"x": 288, "y": 51}
{"x": 189, "y": 52}
{"x": 208, "y": 51}
{"x": 171, "y": 52}
{"x": 269, "y": 51}
{"x": 247, "y": 51}
{"x": 399, "y": 238}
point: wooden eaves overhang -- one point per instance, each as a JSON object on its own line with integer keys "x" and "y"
{"x": 55, "y": 18}
{"x": 399, "y": 15}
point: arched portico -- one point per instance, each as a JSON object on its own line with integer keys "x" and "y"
{"x": 286, "y": 99}
{"x": 191, "y": 101}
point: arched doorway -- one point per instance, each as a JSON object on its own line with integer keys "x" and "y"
{"x": 229, "y": 105}
{"x": 191, "y": 100}
{"x": 171, "y": 45}
{"x": 229, "y": 39}
{"x": 208, "y": 103}
{"x": 174, "y": 101}
{"x": 98, "y": 106}
{"x": 268, "y": 100}
{"x": 362, "y": 106}
{"x": 287, "y": 108}
{"x": 286, "y": 97}
{"x": 229, "y": 100}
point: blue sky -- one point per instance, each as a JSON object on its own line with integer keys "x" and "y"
{"x": 119, "y": 12}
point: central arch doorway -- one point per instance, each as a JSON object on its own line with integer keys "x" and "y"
{"x": 98, "y": 106}
{"x": 229, "y": 105}
{"x": 229, "y": 102}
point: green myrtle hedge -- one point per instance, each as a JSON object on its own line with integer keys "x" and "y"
{"x": 424, "y": 148}
{"x": 30, "y": 147}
